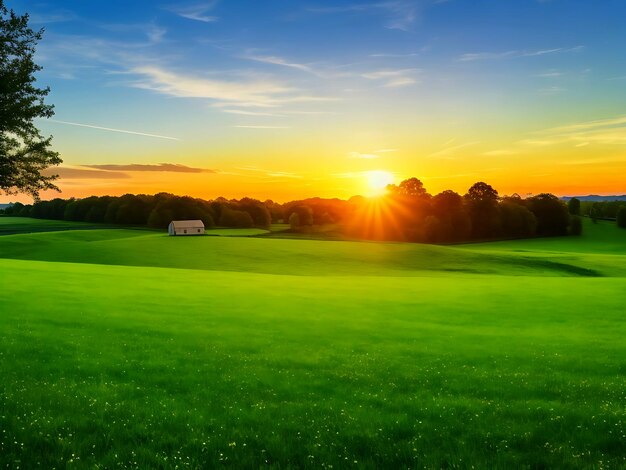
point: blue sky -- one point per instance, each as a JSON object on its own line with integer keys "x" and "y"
{"x": 322, "y": 92}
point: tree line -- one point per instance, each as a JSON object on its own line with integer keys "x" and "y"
{"x": 155, "y": 211}
{"x": 406, "y": 213}
{"x": 410, "y": 213}
{"x": 604, "y": 210}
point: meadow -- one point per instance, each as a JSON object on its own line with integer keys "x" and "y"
{"x": 130, "y": 349}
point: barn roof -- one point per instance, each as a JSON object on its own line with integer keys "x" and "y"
{"x": 187, "y": 223}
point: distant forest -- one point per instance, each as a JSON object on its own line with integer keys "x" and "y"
{"x": 406, "y": 213}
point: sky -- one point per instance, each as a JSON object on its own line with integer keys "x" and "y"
{"x": 292, "y": 99}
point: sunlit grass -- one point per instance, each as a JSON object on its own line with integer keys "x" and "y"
{"x": 301, "y": 353}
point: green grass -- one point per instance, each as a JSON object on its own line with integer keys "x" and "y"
{"x": 122, "y": 348}
{"x": 15, "y": 225}
{"x": 236, "y": 232}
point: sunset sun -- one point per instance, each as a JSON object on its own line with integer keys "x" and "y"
{"x": 377, "y": 181}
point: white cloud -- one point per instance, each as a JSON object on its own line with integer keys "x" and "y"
{"x": 393, "y": 78}
{"x": 250, "y": 113}
{"x": 233, "y": 93}
{"x": 280, "y": 61}
{"x": 195, "y": 11}
{"x": 598, "y": 123}
{"x": 475, "y": 56}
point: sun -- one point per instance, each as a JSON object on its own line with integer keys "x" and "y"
{"x": 377, "y": 181}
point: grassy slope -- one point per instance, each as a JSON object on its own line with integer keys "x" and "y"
{"x": 120, "y": 365}
{"x": 16, "y": 225}
{"x": 312, "y": 257}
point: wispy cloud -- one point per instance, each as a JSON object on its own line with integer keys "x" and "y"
{"x": 261, "y": 127}
{"x": 610, "y": 131}
{"x": 363, "y": 156}
{"x": 501, "y": 152}
{"x": 394, "y": 56}
{"x": 195, "y": 11}
{"x": 393, "y": 78}
{"x": 244, "y": 112}
{"x": 397, "y": 14}
{"x": 550, "y": 74}
{"x": 225, "y": 93}
{"x": 552, "y": 90}
{"x": 447, "y": 152}
{"x": 109, "y": 129}
{"x": 595, "y": 124}
{"x": 79, "y": 173}
{"x": 60, "y": 16}
{"x": 164, "y": 167}
{"x": 274, "y": 60}
{"x": 270, "y": 173}
{"x": 475, "y": 56}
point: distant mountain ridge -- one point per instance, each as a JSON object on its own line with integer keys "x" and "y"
{"x": 596, "y": 198}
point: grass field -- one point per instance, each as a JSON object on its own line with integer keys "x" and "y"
{"x": 124, "y": 348}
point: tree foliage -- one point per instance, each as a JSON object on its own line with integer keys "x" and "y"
{"x": 621, "y": 217}
{"x": 24, "y": 152}
{"x": 411, "y": 187}
{"x": 551, "y": 213}
{"x": 573, "y": 206}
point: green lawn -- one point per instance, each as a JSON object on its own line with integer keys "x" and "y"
{"x": 122, "y": 348}
{"x": 14, "y": 225}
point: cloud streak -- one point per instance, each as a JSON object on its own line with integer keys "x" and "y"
{"x": 274, "y": 60}
{"x": 449, "y": 151}
{"x": 195, "y": 11}
{"x": 398, "y": 14}
{"x": 393, "y": 78}
{"x": 109, "y": 129}
{"x": 225, "y": 93}
{"x": 79, "y": 173}
{"x": 164, "y": 167}
{"x": 261, "y": 127}
{"x": 477, "y": 56}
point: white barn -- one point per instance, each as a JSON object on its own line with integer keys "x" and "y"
{"x": 186, "y": 227}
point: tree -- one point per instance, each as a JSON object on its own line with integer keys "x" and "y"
{"x": 552, "y": 215}
{"x": 482, "y": 192}
{"x": 24, "y": 153}
{"x": 573, "y": 206}
{"x": 482, "y": 200}
{"x": 576, "y": 226}
{"x": 411, "y": 187}
{"x": 621, "y": 217}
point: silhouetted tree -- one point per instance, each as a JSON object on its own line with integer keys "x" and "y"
{"x": 621, "y": 217}
{"x": 454, "y": 222}
{"x": 482, "y": 201}
{"x": 24, "y": 153}
{"x": 573, "y": 206}
{"x": 276, "y": 211}
{"x": 576, "y": 226}
{"x": 411, "y": 187}
{"x": 552, "y": 215}
{"x": 516, "y": 220}
{"x": 235, "y": 218}
{"x": 258, "y": 211}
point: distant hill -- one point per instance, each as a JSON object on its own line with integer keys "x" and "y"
{"x": 4, "y": 206}
{"x": 596, "y": 198}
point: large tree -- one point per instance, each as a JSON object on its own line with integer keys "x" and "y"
{"x": 24, "y": 152}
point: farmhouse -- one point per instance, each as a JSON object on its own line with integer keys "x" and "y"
{"x": 186, "y": 227}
